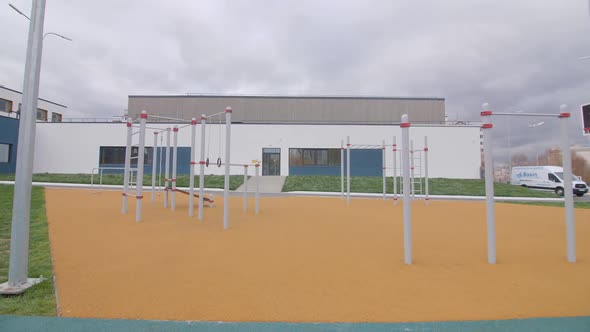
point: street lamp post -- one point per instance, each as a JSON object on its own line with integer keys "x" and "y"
{"x": 534, "y": 125}
{"x": 18, "y": 280}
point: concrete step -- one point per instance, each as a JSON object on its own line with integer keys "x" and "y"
{"x": 267, "y": 184}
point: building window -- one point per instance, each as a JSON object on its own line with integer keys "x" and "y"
{"x": 4, "y": 153}
{"x": 115, "y": 155}
{"x": 5, "y": 105}
{"x": 41, "y": 114}
{"x": 55, "y": 117}
{"x": 314, "y": 157}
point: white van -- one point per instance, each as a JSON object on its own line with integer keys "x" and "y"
{"x": 545, "y": 177}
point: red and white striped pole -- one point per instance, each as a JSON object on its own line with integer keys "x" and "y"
{"x": 127, "y": 164}
{"x": 167, "y": 169}
{"x": 405, "y": 128}
{"x": 257, "y": 194}
{"x": 202, "y": 167}
{"x": 154, "y": 165}
{"x": 191, "y": 198}
{"x": 228, "y": 112}
{"x": 245, "y": 187}
{"x": 140, "y": 162}
{"x": 489, "y": 180}
{"x": 174, "y": 165}
{"x": 348, "y": 170}
{"x": 426, "y": 198}
{"x": 384, "y": 169}
{"x": 394, "y": 171}
{"x": 412, "y": 172}
{"x": 342, "y": 169}
{"x": 570, "y": 229}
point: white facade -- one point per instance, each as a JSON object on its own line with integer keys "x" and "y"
{"x": 454, "y": 151}
{"x": 15, "y": 98}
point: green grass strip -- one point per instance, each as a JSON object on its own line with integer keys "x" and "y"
{"x": 437, "y": 186}
{"x": 40, "y": 299}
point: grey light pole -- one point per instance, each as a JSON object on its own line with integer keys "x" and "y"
{"x": 18, "y": 281}
{"x": 534, "y": 125}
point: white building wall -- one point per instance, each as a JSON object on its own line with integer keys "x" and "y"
{"x": 454, "y": 152}
{"x": 16, "y": 98}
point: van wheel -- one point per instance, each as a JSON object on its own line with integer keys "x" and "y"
{"x": 523, "y": 185}
{"x": 580, "y": 194}
{"x": 559, "y": 191}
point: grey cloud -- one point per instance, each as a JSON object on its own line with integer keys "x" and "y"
{"x": 515, "y": 55}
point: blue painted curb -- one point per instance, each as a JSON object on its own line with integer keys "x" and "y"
{"x": 24, "y": 323}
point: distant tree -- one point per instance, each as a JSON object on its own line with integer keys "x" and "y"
{"x": 580, "y": 167}
{"x": 520, "y": 159}
{"x": 553, "y": 157}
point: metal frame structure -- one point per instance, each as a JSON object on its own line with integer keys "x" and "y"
{"x": 170, "y": 183}
{"x": 358, "y": 147}
{"x": 384, "y": 146}
{"x": 563, "y": 116}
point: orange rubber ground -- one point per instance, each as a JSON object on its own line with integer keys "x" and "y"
{"x": 312, "y": 259}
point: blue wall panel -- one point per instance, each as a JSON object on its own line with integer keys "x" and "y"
{"x": 9, "y": 135}
{"x": 182, "y": 167}
{"x": 362, "y": 163}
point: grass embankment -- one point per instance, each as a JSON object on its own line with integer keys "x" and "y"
{"x": 437, "y": 186}
{"x": 40, "y": 299}
{"x": 211, "y": 181}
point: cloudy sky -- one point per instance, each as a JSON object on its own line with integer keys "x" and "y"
{"x": 516, "y": 55}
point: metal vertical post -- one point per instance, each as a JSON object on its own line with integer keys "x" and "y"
{"x": 154, "y": 165}
{"x": 161, "y": 148}
{"x": 384, "y": 173}
{"x": 21, "y": 205}
{"x": 489, "y": 179}
{"x": 140, "y": 161}
{"x": 348, "y": 169}
{"x": 405, "y": 128}
{"x": 570, "y": 227}
{"x": 426, "y": 198}
{"x": 245, "y": 187}
{"x": 341, "y": 169}
{"x": 174, "y": 165}
{"x": 227, "y": 162}
{"x": 257, "y": 194}
{"x": 127, "y": 170}
{"x": 191, "y": 194}
{"x": 412, "y": 177}
{"x": 202, "y": 167}
{"x": 167, "y": 169}
{"x": 394, "y": 171}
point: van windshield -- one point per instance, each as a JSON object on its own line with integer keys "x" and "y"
{"x": 560, "y": 176}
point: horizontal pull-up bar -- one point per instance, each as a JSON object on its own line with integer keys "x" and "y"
{"x": 186, "y": 125}
{"x": 168, "y": 118}
{"x": 214, "y": 115}
{"x": 241, "y": 165}
{"x": 152, "y": 128}
{"x": 521, "y": 114}
{"x": 373, "y": 145}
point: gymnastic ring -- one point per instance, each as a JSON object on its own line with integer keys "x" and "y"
{"x": 207, "y": 162}
{"x": 218, "y": 162}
